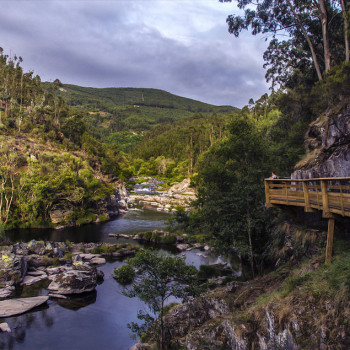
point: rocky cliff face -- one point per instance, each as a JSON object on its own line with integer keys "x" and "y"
{"x": 297, "y": 306}
{"x": 328, "y": 145}
{"x": 236, "y": 317}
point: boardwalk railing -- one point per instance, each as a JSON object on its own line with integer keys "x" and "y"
{"x": 329, "y": 195}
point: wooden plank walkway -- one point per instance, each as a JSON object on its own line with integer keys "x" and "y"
{"x": 329, "y": 195}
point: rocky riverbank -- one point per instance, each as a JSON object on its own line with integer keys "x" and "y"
{"x": 180, "y": 194}
{"x": 71, "y": 268}
{"x": 182, "y": 242}
{"x": 302, "y": 304}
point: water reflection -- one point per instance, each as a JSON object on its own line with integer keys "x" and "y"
{"x": 134, "y": 220}
{"x": 96, "y": 320}
{"x": 79, "y": 301}
{"x": 39, "y": 319}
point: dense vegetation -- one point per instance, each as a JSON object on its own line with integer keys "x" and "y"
{"x": 64, "y": 155}
{"x": 113, "y": 110}
{"x": 47, "y": 156}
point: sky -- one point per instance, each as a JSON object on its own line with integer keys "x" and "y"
{"x": 180, "y": 46}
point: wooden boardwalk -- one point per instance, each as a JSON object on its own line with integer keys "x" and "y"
{"x": 331, "y": 196}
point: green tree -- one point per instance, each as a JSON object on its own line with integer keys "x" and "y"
{"x": 158, "y": 277}
{"x": 7, "y": 185}
{"x": 307, "y": 23}
{"x": 231, "y": 193}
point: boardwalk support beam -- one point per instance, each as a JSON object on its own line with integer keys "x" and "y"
{"x": 330, "y": 236}
{"x": 329, "y": 195}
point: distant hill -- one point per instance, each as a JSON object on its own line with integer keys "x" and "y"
{"x": 106, "y": 99}
{"x": 122, "y": 115}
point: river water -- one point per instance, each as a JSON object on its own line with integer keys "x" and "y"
{"x": 95, "y": 320}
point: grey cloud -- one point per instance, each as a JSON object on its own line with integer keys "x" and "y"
{"x": 104, "y": 44}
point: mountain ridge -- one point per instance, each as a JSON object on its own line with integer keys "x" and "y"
{"x": 122, "y": 96}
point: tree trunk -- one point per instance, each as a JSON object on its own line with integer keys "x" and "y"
{"x": 324, "y": 22}
{"x": 346, "y": 30}
{"x": 161, "y": 343}
{"x": 311, "y": 46}
{"x": 249, "y": 226}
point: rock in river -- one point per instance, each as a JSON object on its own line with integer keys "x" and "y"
{"x": 14, "y": 307}
{"x": 79, "y": 279}
{"x": 4, "y": 327}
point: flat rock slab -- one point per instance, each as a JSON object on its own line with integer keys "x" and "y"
{"x": 36, "y": 273}
{"x": 98, "y": 261}
{"x": 57, "y": 296}
{"x": 12, "y": 307}
{"x": 124, "y": 236}
{"x": 88, "y": 256}
{"x": 30, "y": 280}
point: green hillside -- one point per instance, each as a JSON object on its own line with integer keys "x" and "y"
{"x": 106, "y": 99}
{"x": 113, "y": 110}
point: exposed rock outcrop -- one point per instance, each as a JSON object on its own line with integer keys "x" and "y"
{"x": 206, "y": 323}
{"x": 328, "y": 145}
{"x": 78, "y": 279}
{"x": 73, "y": 273}
{"x": 180, "y": 194}
{"x": 193, "y": 314}
{"x": 61, "y": 212}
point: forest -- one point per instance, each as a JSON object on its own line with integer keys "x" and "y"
{"x": 91, "y": 135}
{"x": 66, "y": 148}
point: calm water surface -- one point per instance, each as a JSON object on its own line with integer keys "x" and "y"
{"x": 95, "y": 320}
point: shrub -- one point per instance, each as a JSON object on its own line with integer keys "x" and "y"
{"x": 96, "y": 250}
{"x": 169, "y": 239}
{"x": 47, "y": 261}
{"x": 108, "y": 249}
{"x": 68, "y": 256}
{"x": 156, "y": 236}
{"x": 102, "y": 218}
{"x": 124, "y": 274}
{"x": 148, "y": 235}
{"x": 208, "y": 271}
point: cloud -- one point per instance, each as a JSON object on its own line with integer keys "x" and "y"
{"x": 179, "y": 46}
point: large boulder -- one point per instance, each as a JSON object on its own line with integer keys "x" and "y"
{"x": 13, "y": 268}
{"x": 20, "y": 249}
{"x": 36, "y": 247}
{"x": 79, "y": 279}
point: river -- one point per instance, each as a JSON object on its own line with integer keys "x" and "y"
{"x": 95, "y": 320}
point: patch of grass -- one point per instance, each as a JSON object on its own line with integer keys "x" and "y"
{"x": 68, "y": 256}
{"x": 47, "y": 261}
{"x": 104, "y": 249}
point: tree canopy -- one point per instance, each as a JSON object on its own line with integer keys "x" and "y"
{"x": 316, "y": 30}
{"x": 158, "y": 277}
